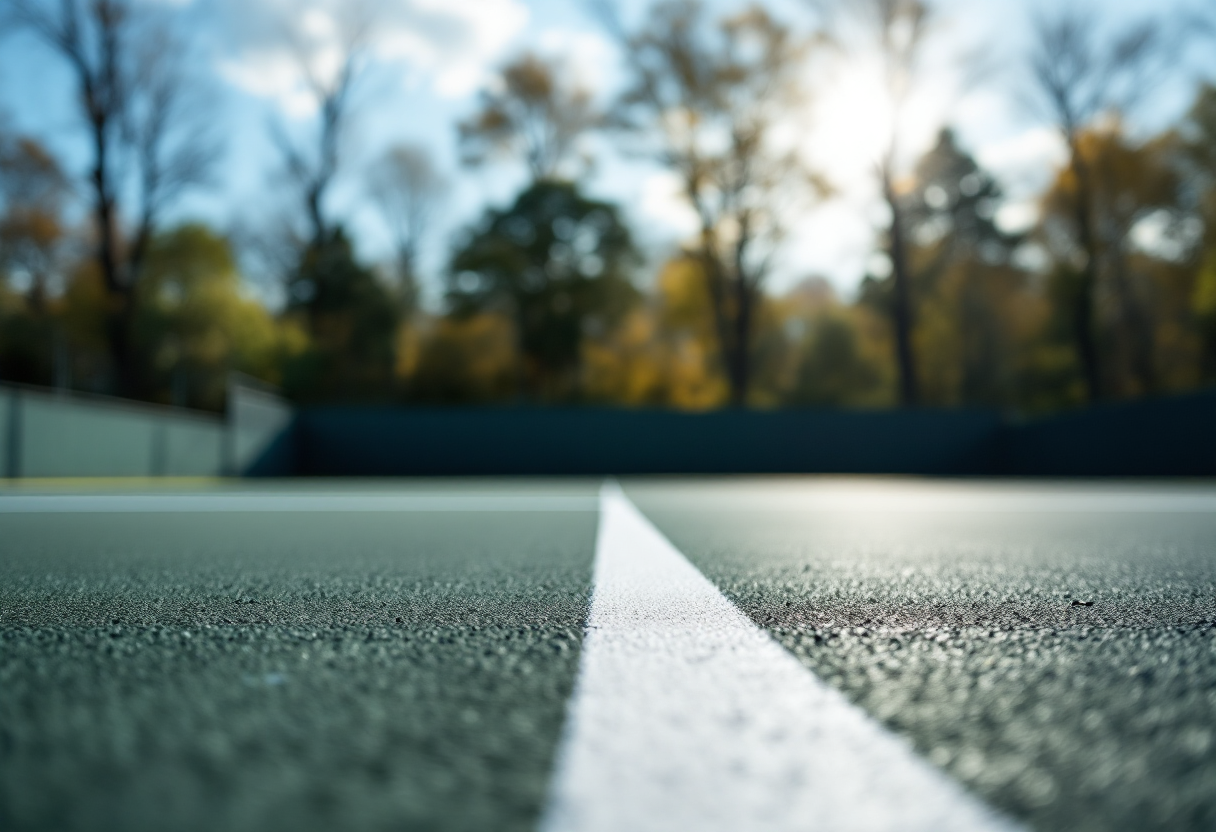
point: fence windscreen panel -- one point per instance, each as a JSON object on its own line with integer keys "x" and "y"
{"x": 65, "y": 435}
{"x": 260, "y": 432}
{"x": 7, "y": 404}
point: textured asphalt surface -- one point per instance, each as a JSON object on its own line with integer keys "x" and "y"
{"x": 1060, "y": 663}
{"x": 286, "y": 671}
{"x": 303, "y": 671}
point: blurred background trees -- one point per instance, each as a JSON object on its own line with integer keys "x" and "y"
{"x": 897, "y": 32}
{"x": 194, "y": 324}
{"x": 554, "y": 294}
{"x": 558, "y": 265}
{"x": 971, "y": 297}
{"x": 143, "y": 112}
{"x": 409, "y": 191}
{"x": 537, "y": 114}
{"x": 1196, "y": 139}
{"x": 33, "y": 243}
{"x": 706, "y": 98}
{"x": 1082, "y": 77}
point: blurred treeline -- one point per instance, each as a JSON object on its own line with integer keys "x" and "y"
{"x": 548, "y": 299}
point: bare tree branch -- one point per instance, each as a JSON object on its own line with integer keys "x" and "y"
{"x": 532, "y": 113}
{"x": 1080, "y": 77}
{"x": 706, "y": 99}
{"x": 408, "y": 190}
{"x": 898, "y": 32}
{"x": 313, "y": 163}
{"x": 143, "y": 119}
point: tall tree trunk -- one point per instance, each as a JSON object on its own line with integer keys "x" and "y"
{"x": 905, "y": 356}
{"x": 740, "y": 376}
{"x": 979, "y": 364}
{"x": 107, "y": 257}
{"x": 732, "y": 325}
{"x": 1141, "y": 336}
{"x": 1084, "y": 337}
{"x": 121, "y": 343}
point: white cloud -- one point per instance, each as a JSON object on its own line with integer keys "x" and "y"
{"x": 450, "y": 44}
{"x": 592, "y": 59}
{"x": 1034, "y": 152}
{"x": 662, "y": 206}
{"x": 272, "y": 75}
{"x": 454, "y": 41}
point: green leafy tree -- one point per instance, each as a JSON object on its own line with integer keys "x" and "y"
{"x": 837, "y": 360}
{"x": 834, "y": 369}
{"x": 1082, "y": 74}
{"x": 143, "y": 113}
{"x": 466, "y": 360}
{"x": 558, "y": 264}
{"x": 194, "y": 324}
{"x": 33, "y": 242}
{"x": 951, "y": 209}
{"x": 352, "y": 320}
{"x": 33, "y": 194}
{"x": 964, "y": 280}
{"x": 1197, "y": 136}
{"x": 1125, "y": 184}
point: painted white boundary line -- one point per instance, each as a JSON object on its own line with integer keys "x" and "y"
{"x": 815, "y": 495}
{"x": 687, "y": 716}
{"x": 306, "y": 502}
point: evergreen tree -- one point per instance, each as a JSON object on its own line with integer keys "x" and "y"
{"x": 558, "y": 264}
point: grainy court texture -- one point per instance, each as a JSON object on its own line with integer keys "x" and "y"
{"x": 793, "y": 653}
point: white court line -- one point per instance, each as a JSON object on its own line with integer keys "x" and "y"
{"x": 254, "y": 502}
{"x": 687, "y": 716}
{"x": 919, "y": 499}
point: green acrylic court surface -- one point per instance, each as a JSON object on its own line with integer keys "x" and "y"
{"x": 424, "y": 654}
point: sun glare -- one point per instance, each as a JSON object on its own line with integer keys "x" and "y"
{"x": 852, "y": 127}
{"x": 855, "y": 119}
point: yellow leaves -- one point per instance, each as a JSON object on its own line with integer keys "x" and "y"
{"x": 32, "y": 232}
{"x": 694, "y": 385}
{"x": 30, "y": 177}
{"x": 535, "y": 112}
{"x": 408, "y": 352}
{"x": 1148, "y": 293}
{"x": 192, "y": 312}
{"x": 682, "y": 297}
{"x": 641, "y": 364}
{"x": 664, "y": 354}
{"x": 84, "y": 306}
{"x": 808, "y": 349}
{"x": 463, "y": 360}
{"x": 1125, "y": 179}
{"x": 530, "y": 78}
{"x": 30, "y": 226}
{"x": 621, "y": 368}
{"x": 1204, "y": 301}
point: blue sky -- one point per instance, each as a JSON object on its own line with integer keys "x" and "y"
{"x": 433, "y": 56}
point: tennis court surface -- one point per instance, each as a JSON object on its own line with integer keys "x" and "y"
{"x": 769, "y": 654}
